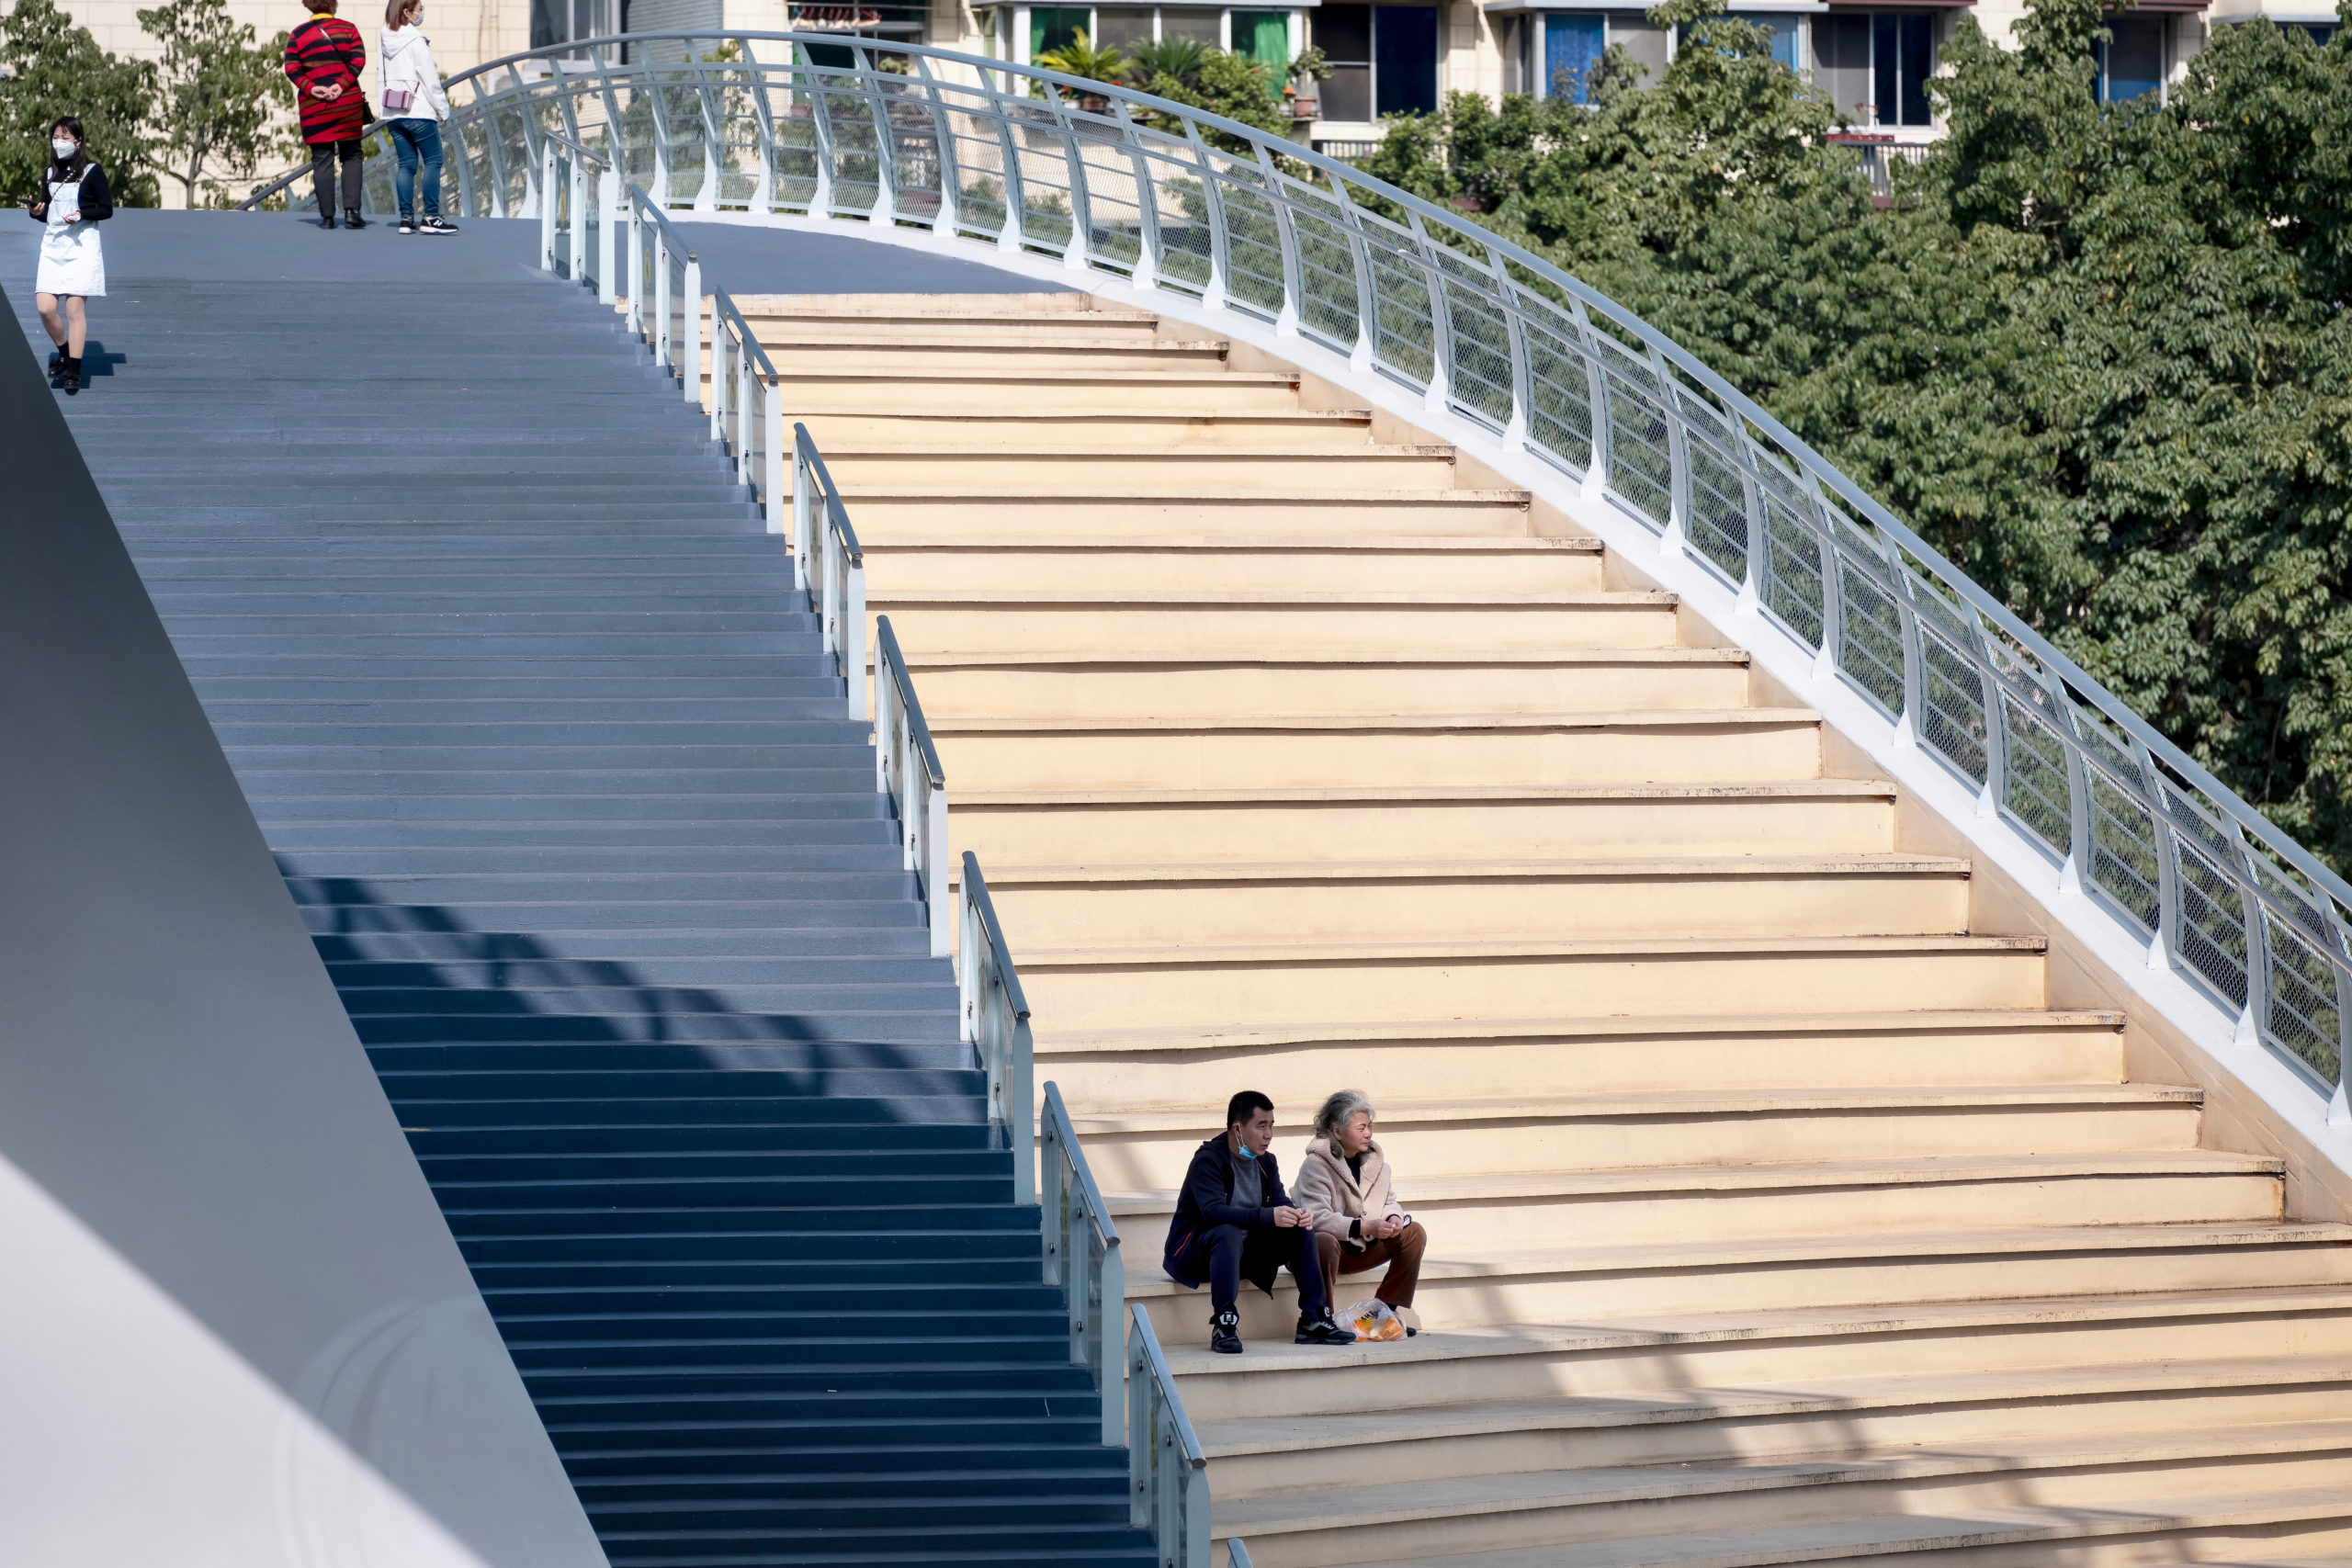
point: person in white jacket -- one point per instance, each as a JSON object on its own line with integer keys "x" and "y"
{"x": 414, "y": 107}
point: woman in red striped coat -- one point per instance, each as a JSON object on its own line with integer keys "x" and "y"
{"x": 323, "y": 58}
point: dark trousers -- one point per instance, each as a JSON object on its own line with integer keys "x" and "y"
{"x": 322, "y": 157}
{"x": 416, "y": 140}
{"x": 1232, "y": 1251}
{"x": 1401, "y": 1252}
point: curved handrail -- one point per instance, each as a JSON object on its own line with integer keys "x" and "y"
{"x": 1082, "y": 1257}
{"x": 1506, "y": 345}
{"x": 894, "y": 663}
{"x": 1167, "y": 1468}
{"x": 588, "y": 154}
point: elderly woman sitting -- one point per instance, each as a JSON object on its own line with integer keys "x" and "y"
{"x": 1358, "y": 1224}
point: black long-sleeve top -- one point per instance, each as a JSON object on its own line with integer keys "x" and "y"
{"x": 97, "y": 201}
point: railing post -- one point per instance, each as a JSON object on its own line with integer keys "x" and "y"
{"x": 608, "y": 198}
{"x": 936, "y": 868}
{"x": 803, "y": 508}
{"x": 853, "y": 632}
{"x": 1111, "y": 1346}
{"x": 546, "y": 207}
{"x": 663, "y": 347}
{"x": 690, "y": 320}
{"x": 772, "y": 460}
{"x": 575, "y": 197}
{"x": 722, "y": 383}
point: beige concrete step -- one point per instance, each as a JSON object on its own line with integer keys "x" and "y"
{"x": 1520, "y": 1204}
{"x": 1657, "y": 745}
{"x": 1253, "y": 822}
{"x": 795, "y": 349}
{"x": 1145, "y": 507}
{"x": 1278, "y": 469}
{"x": 1148, "y": 1067}
{"x": 1668, "y": 1389}
{"x": 2125, "y": 1530}
{"x": 1632, "y": 1133}
{"x": 1167, "y": 685}
{"x": 2066, "y": 1478}
{"x": 825, "y": 383}
{"x": 1088, "y": 988}
{"x": 1565, "y": 1284}
{"x": 1233, "y": 563}
{"x": 923, "y": 316}
{"x": 1206, "y": 423}
{"x": 1376, "y": 900}
{"x": 1034, "y": 619}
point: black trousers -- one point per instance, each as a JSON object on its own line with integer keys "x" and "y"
{"x": 322, "y": 157}
{"x": 1227, "y": 1254}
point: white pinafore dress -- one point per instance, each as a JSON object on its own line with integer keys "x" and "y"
{"x": 71, "y": 261}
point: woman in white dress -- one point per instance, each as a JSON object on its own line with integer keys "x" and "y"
{"x": 74, "y": 200}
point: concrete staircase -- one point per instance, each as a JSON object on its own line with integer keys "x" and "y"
{"x": 1776, "y": 1217}
{"x": 522, "y": 695}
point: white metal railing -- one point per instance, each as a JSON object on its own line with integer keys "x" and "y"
{"x": 1232, "y": 224}
{"x": 1082, "y": 1257}
{"x": 906, "y": 768}
{"x": 747, "y": 406}
{"x": 1168, "y": 1479}
{"x": 576, "y": 222}
{"x": 996, "y": 1021}
{"x": 833, "y": 564}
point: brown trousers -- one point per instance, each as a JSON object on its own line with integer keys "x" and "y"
{"x": 1401, "y": 1252}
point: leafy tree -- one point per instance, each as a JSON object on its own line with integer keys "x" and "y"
{"x": 1179, "y": 59}
{"x": 2096, "y": 353}
{"x": 1081, "y": 57}
{"x": 1230, "y": 84}
{"x": 223, "y": 98}
{"x": 54, "y": 67}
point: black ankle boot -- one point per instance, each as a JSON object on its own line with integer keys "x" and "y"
{"x": 1225, "y": 1333}
{"x": 327, "y": 220}
{"x": 351, "y": 219}
{"x": 69, "y": 375}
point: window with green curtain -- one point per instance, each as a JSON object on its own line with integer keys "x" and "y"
{"x": 1264, "y": 37}
{"x": 1057, "y": 26}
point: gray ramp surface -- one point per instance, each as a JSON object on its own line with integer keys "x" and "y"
{"x": 529, "y": 711}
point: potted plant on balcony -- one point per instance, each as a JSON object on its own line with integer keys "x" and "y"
{"x": 1303, "y": 94}
{"x": 1081, "y": 57}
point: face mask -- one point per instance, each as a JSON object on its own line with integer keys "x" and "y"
{"x": 63, "y": 148}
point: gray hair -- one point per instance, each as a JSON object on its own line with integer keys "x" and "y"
{"x": 1339, "y": 1108}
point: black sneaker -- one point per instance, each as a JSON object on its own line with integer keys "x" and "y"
{"x": 69, "y": 375}
{"x": 1224, "y": 1334}
{"x": 327, "y": 220}
{"x": 1319, "y": 1329}
{"x": 56, "y": 360}
{"x": 408, "y": 224}
{"x": 436, "y": 226}
{"x": 351, "y": 219}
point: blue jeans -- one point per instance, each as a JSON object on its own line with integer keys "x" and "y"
{"x": 413, "y": 139}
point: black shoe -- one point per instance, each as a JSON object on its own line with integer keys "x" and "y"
{"x": 408, "y": 224}
{"x": 1319, "y": 1329}
{"x": 1224, "y": 1334}
{"x": 327, "y": 220}
{"x": 435, "y": 225}
{"x": 69, "y": 375}
{"x": 351, "y": 219}
{"x": 56, "y": 362}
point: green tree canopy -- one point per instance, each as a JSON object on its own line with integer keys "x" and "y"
{"x": 2096, "y": 353}
{"x": 224, "y": 100}
{"x": 54, "y": 67}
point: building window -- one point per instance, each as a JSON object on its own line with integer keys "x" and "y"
{"x": 1264, "y": 37}
{"x": 2318, "y": 32}
{"x": 1057, "y": 26}
{"x": 1788, "y": 37}
{"x": 1875, "y": 65}
{"x": 2132, "y": 64}
{"x": 1121, "y": 27}
{"x": 1569, "y": 47}
{"x": 1383, "y": 59}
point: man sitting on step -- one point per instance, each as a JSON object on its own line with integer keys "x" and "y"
{"x": 1235, "y": 1222}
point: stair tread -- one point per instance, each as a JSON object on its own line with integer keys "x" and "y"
{"x": 1006, "y": 876}
{"x": 1881, "y": 1534}
{"x": 1329, "y": 952}
{"x": 1987, "y": 1241}
{"x": 1735, "y": 1102}
{"x": 1406, "y": 1499}
{"x": 1386, "y": 723}
{"x": 1777, "y": 789}
{"x": 1221, "y": 1037}
{"x": 1321, "y": 659}
{"x": 1140, "y": 490}
{"x": 1664, "y": 1331}
{"x": 1925, "y": 1170}
{"x": 882, "y": 596}
{"x": 886, "y": 543}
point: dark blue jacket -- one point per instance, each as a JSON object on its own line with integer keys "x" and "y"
{"x": 1206, "y": 1202}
